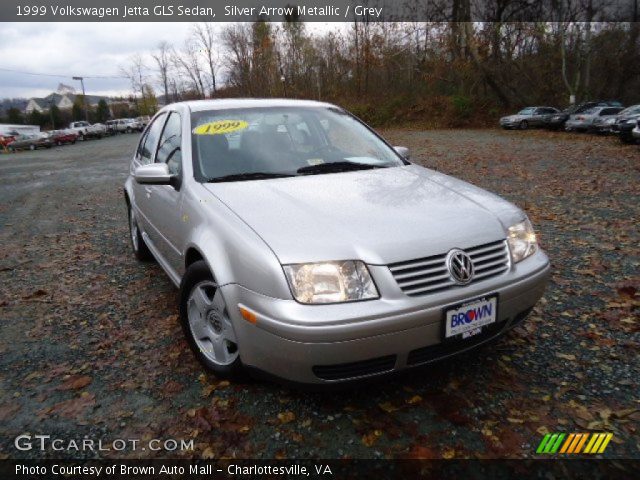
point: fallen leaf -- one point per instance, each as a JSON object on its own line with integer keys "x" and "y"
{"x": 565, "y": 356}
{"x": 286, "y": 417}
{"x": 387, "y": 407}
{"x": 75, "y": 382}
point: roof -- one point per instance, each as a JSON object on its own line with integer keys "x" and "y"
{"x": 41, "y": 102}
{"x": 225, "y": 103}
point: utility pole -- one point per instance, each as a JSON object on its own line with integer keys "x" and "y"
{"x": 84, "y": 97}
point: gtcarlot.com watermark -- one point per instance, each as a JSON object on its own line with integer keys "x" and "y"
{"x": 26, "y": 442}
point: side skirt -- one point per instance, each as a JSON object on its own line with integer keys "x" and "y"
{"x": 171, "y": 273}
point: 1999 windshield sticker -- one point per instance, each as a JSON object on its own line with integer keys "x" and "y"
{"x": 220, "y": 127}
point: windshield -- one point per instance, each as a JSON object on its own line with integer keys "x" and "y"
{"x": 283, "y": 141}
{"x": 526, "y": 111}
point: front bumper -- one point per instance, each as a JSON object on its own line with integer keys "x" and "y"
{"x": 510, "y": 123}
{"x": 324, "y": 344}
{"x": 576, "y": 125}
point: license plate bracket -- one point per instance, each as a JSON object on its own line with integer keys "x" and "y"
{"x": 469, "y": 318}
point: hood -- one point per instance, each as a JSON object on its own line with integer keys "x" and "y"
{"x": 378, "y": 216}
{"x": 624, "y": 118}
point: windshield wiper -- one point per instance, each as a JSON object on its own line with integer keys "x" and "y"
{"x": 238, "y": 177}
{"x": 343, "y": 166}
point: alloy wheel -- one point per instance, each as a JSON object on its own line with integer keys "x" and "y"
{"x": 210, "y": 325}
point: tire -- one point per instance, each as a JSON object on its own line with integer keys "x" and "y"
{"x": 81, "y": 137}
{"x": 73, "y": 142}
{"x": 140, "y": 249}
{"x": 524, "y": 125}
{"x": 206, "y": 324}
{"x": 59, "y": 143}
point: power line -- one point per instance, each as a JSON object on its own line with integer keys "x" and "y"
{"x": 56, "y": 75}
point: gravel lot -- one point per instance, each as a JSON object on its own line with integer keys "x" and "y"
{"x": 90, "y": 343}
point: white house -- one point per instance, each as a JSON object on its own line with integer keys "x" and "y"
{"x": 63, "y": 102}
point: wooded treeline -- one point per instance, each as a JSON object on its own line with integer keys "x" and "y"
{"x": 437, "y": 73}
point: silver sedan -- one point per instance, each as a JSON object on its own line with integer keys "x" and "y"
{"x": 597, "y": 119}
{"x": 307, "y": 248}
{"x": 528, "y": 117}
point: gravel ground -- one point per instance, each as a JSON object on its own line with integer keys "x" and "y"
{"x": 90, "y": 343}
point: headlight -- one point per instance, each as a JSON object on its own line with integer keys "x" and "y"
{"x": 330, "y": 282}
{"x": 522, "y": 241}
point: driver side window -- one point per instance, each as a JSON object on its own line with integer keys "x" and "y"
{"x": 169, "y": 149}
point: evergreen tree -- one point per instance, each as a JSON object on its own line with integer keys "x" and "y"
{"x": 102, "y": 112}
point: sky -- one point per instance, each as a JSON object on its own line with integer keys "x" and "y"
{"x": 78, "y": 49}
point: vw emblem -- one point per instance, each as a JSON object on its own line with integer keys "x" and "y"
{"x": 460, "y": 266}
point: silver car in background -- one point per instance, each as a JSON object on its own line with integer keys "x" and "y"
{"x": 528, "y": 117}
{"x": 306, "y": 248}
{"x": 596, "y": 119}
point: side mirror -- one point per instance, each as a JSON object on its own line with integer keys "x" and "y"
{"x": 153, "y": 174}
{"x": 403, "y": 152}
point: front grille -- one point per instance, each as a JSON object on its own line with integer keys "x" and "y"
{"x": 430, "y": 274}
{"x": 433, "y": 352}
{"x": 343, "y": 371}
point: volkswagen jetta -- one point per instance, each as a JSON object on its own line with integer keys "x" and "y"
{"x": 307, "y": 248}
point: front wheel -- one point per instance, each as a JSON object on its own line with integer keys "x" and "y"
{"x": 524, "y": 125}
{"x": 206, "y": 323}
{"x": 140, "y": 249}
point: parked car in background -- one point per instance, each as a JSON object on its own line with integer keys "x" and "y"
{"x": 31, "y": 142}
{"x": 6, "y": 139}
{"x": 99, "y": 129}
{"x": 557, "y": 121}
{"x": 60, "y": 137}
{"x": 528, "y": 117}
{"x": 586, "y": 121}
{"x": 603, "y": 122}
{"x": 625, "y": 123}
{"x": 86, "y": 130}
{"x": 118, "y": 125}
{"x": 132, "y": 125}
{"x": 143, "y": 120}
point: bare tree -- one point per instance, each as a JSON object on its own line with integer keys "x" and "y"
{"x": 206, "y": 39}
{"x": 237, "y": 40}
{"x": 162, "y": 58}
{"x": 136, "y": 71}
{"x": 187, "y": 62}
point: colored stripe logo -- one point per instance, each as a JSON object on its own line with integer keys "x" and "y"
{"x": 586, "y": 443}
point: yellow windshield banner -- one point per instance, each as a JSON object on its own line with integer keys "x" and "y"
{"x": 220, "y": 127}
